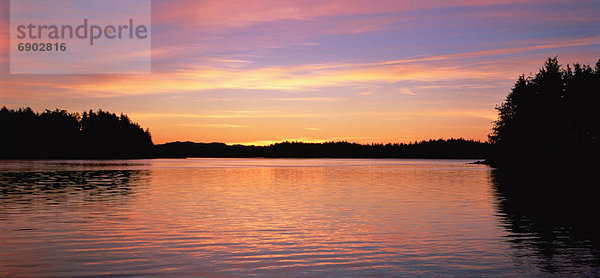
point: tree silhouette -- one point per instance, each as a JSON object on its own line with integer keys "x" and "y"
{"x": 551, "y": 118}
{"x": 60, "y": 134}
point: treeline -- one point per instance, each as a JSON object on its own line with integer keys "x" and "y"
{"x": 452, "y": 148}
{"x": 101, "y": 134}
{"x": 550, "y": 119}
{"x": 61, "y": 134}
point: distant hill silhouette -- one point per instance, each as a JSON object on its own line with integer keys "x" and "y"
{"x": 452, "y": 148}
{"x": 551, "y": 119}
{"x": 60, "y": 134}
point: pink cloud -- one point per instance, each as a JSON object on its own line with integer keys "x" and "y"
{"x": 217, "y": 13}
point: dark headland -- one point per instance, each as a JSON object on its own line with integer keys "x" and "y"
{"x": 550, "y": 121}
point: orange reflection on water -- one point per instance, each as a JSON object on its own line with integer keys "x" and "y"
{"x": 271, "y": 217}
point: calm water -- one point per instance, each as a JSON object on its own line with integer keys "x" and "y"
{"x": 283, "y": 217}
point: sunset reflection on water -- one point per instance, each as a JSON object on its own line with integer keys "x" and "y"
{"x": 239, "y": 217}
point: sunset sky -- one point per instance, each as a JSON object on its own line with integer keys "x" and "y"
{"x": 262, "y": 71}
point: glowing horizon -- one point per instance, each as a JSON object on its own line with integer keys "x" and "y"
{"x": 268, "y": 71}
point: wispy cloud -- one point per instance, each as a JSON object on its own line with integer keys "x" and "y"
{"x": 317, "y": 99}
{"x": 213, "y": 125}
{"x": 226, "y": 115}
{"x": 528, "y": 46}
{"x": 306, "y": 77}
{"x": 216, "y": 13}
{"x": 407, "y": 91}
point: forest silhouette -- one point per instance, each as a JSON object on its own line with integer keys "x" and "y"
{"x": 450, "y": 148}
{"x": 60, "y": 134}
{"x": 549, "y": 119}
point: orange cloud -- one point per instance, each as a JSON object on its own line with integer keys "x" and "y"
{"x": 271, "y": 78}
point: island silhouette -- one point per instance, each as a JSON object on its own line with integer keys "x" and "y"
{"x": 549, "y": 119}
